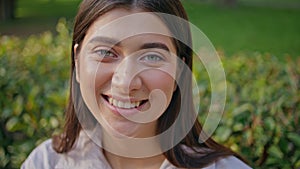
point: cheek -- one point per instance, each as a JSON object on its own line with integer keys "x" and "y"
{"x": 103, "y": 77}
{"x": 159, "y": 80}
{"x": 94, "y": 74}
{"x": 87, "y": 70}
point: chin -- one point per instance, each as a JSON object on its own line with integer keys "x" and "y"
{"x": 121, "y": 129}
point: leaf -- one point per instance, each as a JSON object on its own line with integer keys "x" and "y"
{"x": 283, "y": 145}
{"x": 269, "y": 123}
{"x": 295, "y": 138}
{"x": 223, "y": 133}
{"x": 275, "y": 151}
{"x": 12, "y": 124}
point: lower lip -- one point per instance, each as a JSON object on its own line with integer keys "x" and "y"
{"x": 123, "y": 112}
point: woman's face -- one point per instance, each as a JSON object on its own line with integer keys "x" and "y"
{"x": 127, "y": 72}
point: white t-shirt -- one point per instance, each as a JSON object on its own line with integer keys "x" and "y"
{"x": 87, "y": 155}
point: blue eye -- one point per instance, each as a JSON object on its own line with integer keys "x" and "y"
{"x": 105, "y": 53}
{"x": 152, "y": 58}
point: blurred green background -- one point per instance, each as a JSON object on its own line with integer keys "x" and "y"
{"x": 266, "y": 26}
{"x": 258, "y": 42}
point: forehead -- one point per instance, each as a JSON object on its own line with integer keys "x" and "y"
{"x": 122, "y": 24}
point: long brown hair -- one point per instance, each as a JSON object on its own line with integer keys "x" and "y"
{"x": 202, "y": 154}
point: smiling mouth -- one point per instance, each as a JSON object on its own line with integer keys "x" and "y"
{"x": 124, "y": 104}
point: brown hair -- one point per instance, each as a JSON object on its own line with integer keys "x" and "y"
{"x": 202, "y": 154}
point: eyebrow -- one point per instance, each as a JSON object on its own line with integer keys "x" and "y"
{"x": 155, "y": 45}
{"x": 106, "y": 40}
{"x": 114, "y": 42}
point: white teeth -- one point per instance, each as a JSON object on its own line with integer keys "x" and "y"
{"x": 133, "y": 105}
{"x": 137, "y": 104}
{"x": 115, "y": 102}
{"x": 120, "y": 104}
{"x": 125, "y": 105}
{"x": 110, "y": 100}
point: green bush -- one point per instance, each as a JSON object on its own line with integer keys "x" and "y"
{"x": 34, "y": 81}
{"x": 264, "y": 97}
{"x": 262, "y": 114}
{"x": 261, "y": 117}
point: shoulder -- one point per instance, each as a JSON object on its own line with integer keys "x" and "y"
{"x": 224, "y": 163}
{"x": 42, "y": 156}
{"x": 84, "y": 155}
{"x": 228, "y": 163}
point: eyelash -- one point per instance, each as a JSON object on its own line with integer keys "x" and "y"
{"x": 158, "y": 58}
{"x": 105, "y": 53}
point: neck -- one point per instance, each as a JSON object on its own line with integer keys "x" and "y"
{"x": 128, "y": 163}
{"x": 132, "y": 153}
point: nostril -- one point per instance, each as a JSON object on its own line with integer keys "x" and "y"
{"x": 126, "y": 81}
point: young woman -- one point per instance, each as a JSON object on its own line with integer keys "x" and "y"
{"x": 131, "y": 102}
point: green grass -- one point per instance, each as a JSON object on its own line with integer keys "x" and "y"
{"x": 36, "y": 16}
{"x": 46, "y": 8}
{"x": 249, "y": 29}
{"x": 244, "y": 29}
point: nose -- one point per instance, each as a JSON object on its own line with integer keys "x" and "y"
{"x": 126, "y": 77}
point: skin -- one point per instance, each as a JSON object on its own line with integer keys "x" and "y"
{"x": 126, "y": 70}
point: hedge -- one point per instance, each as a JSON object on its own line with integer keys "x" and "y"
{"x": 260, "y": 121}
{"x": 262, "y": 113}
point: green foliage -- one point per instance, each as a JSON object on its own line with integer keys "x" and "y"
{"x": 34, "y": 82}
{"x": 261, "y": 117}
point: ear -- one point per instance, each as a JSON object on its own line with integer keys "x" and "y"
{"x": 76, "y": 63}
